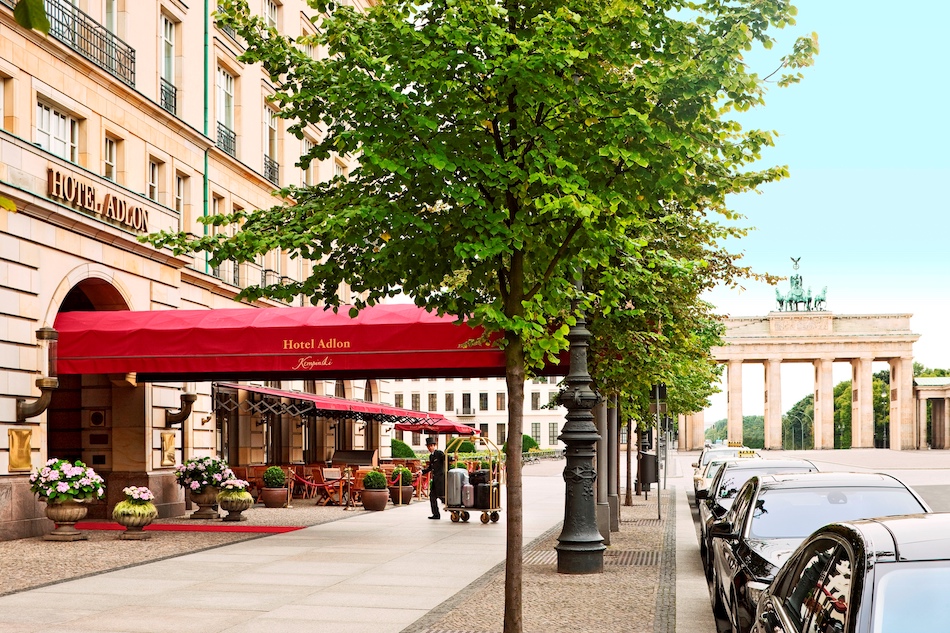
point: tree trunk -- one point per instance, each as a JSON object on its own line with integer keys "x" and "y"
{"x": 515, "y": 376}
{"x": 639, "y": 442}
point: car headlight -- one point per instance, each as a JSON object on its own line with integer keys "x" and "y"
{"x": 755, "y": 590}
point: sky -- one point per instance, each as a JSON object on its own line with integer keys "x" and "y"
{"x": 866, "y": 139}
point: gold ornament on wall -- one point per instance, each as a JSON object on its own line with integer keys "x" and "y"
{"x": 20, "y": 449}
{"x": 168, "y": 449}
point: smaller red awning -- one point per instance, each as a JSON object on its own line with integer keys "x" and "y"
{"x": 331, "y": 406}
{"x": 436, "y": 427}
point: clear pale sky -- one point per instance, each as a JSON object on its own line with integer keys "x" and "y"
{"x": 866, "y": 138}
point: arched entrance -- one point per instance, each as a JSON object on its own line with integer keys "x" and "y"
{"x": 90, "y": 414}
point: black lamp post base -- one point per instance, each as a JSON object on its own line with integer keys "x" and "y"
{"x": 580, "y": 558}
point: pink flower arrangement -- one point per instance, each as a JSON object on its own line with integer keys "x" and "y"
{"x": 198, "y": 473}
{"x": 59, "y": 480}
{"x": 138, "y": 495}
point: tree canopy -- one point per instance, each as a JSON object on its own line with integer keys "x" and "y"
{"x": 506, "y": 150}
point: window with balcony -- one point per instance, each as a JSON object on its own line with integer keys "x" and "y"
{"x": 450, "y": 402}
{"x": 91, "y": 39}
{"x": 271, "y": 167}
{"x": 56, "y": 132}
{"x": 500, "y": 401}
{"x": 535, "y": 401}
{"x": 169, "y": 93}
{"x": 109, "y": 157}
{"x": 467, "y": 405}
{"x": 226, "y": 138}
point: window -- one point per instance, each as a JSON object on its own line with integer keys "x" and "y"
{"x": 416, "y": 402}
{"x": 154, "y": 171}
{"x": 399, "y": 436}
{"x": 483, "y": 430}
{"x": 339, "y": 170}
{"x": 433, "y": 401}
{"x": 536, "y": 432}
{"x": 552, "y": 434}
{"x": 180, "y": 186}
{"x": 56, "y": 132}
{"x": 167, "y": 66}
{"x": 535, "y": 401}
{"x": 500, "y": 438}
{"x": 483, "y": 401}
{"x": 109, "y": 16}
{"x": 450, "y": 402}
{"x": 308, "y": 172}
{"x": 109, "y": 159}
{"x": 416, "y": 438}
{"x": 397, "y": 400}
{"x": 803, "y": 599}
{"x": 467, "y": 403}
{"x": 4, "y": 107}
{"x": 500, "y": 401}
{"x": 271, "y": 167}
{"x": 270, "y": 13}
{"x": 226, "y": 140}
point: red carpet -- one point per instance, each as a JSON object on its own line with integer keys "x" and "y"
{"x": 187, "y": 527}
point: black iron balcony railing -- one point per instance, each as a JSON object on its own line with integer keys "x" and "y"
{"x": 169, "y": 96}
{"x": 227, "y": 139}
{"x": 271, "y": 170}
{"x": 227, "y": 29}
{"x": 84, "y": 35}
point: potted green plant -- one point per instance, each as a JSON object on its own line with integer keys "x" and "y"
{"x": 66, "y": 487}
{"x": 235, "y": 498}
{"x": 400, "y": 488}
{"x": 274, "y": 493}
{"x": 375, "y": 494}
{"x": 135, "y": 512}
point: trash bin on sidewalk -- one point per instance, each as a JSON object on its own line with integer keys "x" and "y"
{"x": 646, "y": 470}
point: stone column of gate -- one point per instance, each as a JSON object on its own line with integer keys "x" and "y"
{"x": 824, "y": 420}
{"x": 920, "y": 429}
{"x": 862, "y": 404}
{"x": 734, "y": 418}
{"x": 938, "y": 432}
{"x": 698, "y": 426}
{"x": 773, "y": 403}
{"x": 942, "y": 417}
{"x": 902, "y": 403}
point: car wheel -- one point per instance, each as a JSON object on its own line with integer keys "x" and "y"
{"x": 719, "y": 609}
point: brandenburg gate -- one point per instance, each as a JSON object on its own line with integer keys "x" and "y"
{"x": 820, "y": 339}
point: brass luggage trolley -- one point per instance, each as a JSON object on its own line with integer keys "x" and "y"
{"x": 490, "y": 496}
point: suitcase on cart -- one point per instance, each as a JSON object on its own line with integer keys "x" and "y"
{"x": 481, "y": 476}
{"x": 483, "y": 496}
{"x": 468, "y": 495}
{"x": 457, "y": 478}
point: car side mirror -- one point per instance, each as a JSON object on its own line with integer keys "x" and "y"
{"x": 722, "y": 529}
{"x": 702, "y": 494}
{"x": 695, "y": 464}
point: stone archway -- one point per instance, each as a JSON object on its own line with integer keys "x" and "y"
{"x": 820, "y": 339}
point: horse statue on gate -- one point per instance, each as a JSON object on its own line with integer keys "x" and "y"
{"x": 819, "y": 302}
{"x": 779, "y": 299}
{"x": 796, "y": 295}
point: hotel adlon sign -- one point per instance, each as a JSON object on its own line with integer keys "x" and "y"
{"x": 80, "y": 194}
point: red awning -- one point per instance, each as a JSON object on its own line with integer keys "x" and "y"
{"x": 330, "y": 406}
{"x": 274, "y": 343}
{"x": 435, "y": 427}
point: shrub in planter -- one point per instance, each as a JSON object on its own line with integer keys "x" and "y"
{"x": 401, "y": 450}
{"x": 274, "y": 494}
{"x": 374, "y": 480}
{"x": 401, "y": 491}
{"x": 375, "y": 492}
{"x": 465, "y": 447}
{"x": 402, "y": 476}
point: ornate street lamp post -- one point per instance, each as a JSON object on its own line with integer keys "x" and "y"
{"x": 580, "y": 548}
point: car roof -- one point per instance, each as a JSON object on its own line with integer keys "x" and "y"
{"x": 917, "y": 537}
{"x": 822, "y": 480}
{"x": 769, "y": 463}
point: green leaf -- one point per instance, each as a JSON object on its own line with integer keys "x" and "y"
{"x": 31, "y": 14}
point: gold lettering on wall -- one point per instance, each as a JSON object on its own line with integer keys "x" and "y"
{"x": 20, "y": 449}
{"x": 168, "y": 448}
{"x": 82, "y": 195}
{"x": 290, "y": 344}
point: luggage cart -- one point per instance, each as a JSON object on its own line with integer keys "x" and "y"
{"x": 488, "y": 502}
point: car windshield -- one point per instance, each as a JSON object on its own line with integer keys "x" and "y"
{"x": 726, "y": 453}
{"x": 796, "y": 513}
{"x": 910, "y": 597}
{"x": 713, "y": 468}
{"x": 733, "y": 479}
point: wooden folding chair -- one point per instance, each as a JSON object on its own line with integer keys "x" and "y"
{"x": 325, "y": 489}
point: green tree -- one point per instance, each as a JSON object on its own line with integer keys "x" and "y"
{"x": 842, "y": 417}
{"x": 753, "y": 431}
{"x": 798, "y": 423}
{"x": 507, "y": 149}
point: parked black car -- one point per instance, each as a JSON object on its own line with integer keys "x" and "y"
{"x": 773, "y": 514}
{"x": 888, "y": 575}
{"x": 716, "y": 500}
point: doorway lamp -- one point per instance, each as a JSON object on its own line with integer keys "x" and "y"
{"x": 46, "y": 337}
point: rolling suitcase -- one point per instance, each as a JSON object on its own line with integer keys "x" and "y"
{"x": 457, "y": 478}
{"x": 483, "y": 496}
{"x": 481, "y": 476}
{"x": 468, "y": 495}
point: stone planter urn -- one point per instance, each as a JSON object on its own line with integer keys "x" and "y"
{"x": 401, "y": 495}
{"x": 235, "y": 504}
{"x": 135, "y": 518}
{"x": 374, "y": 499}
{"x": 65, "y": 514}
{"x": 205, "y": 501}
